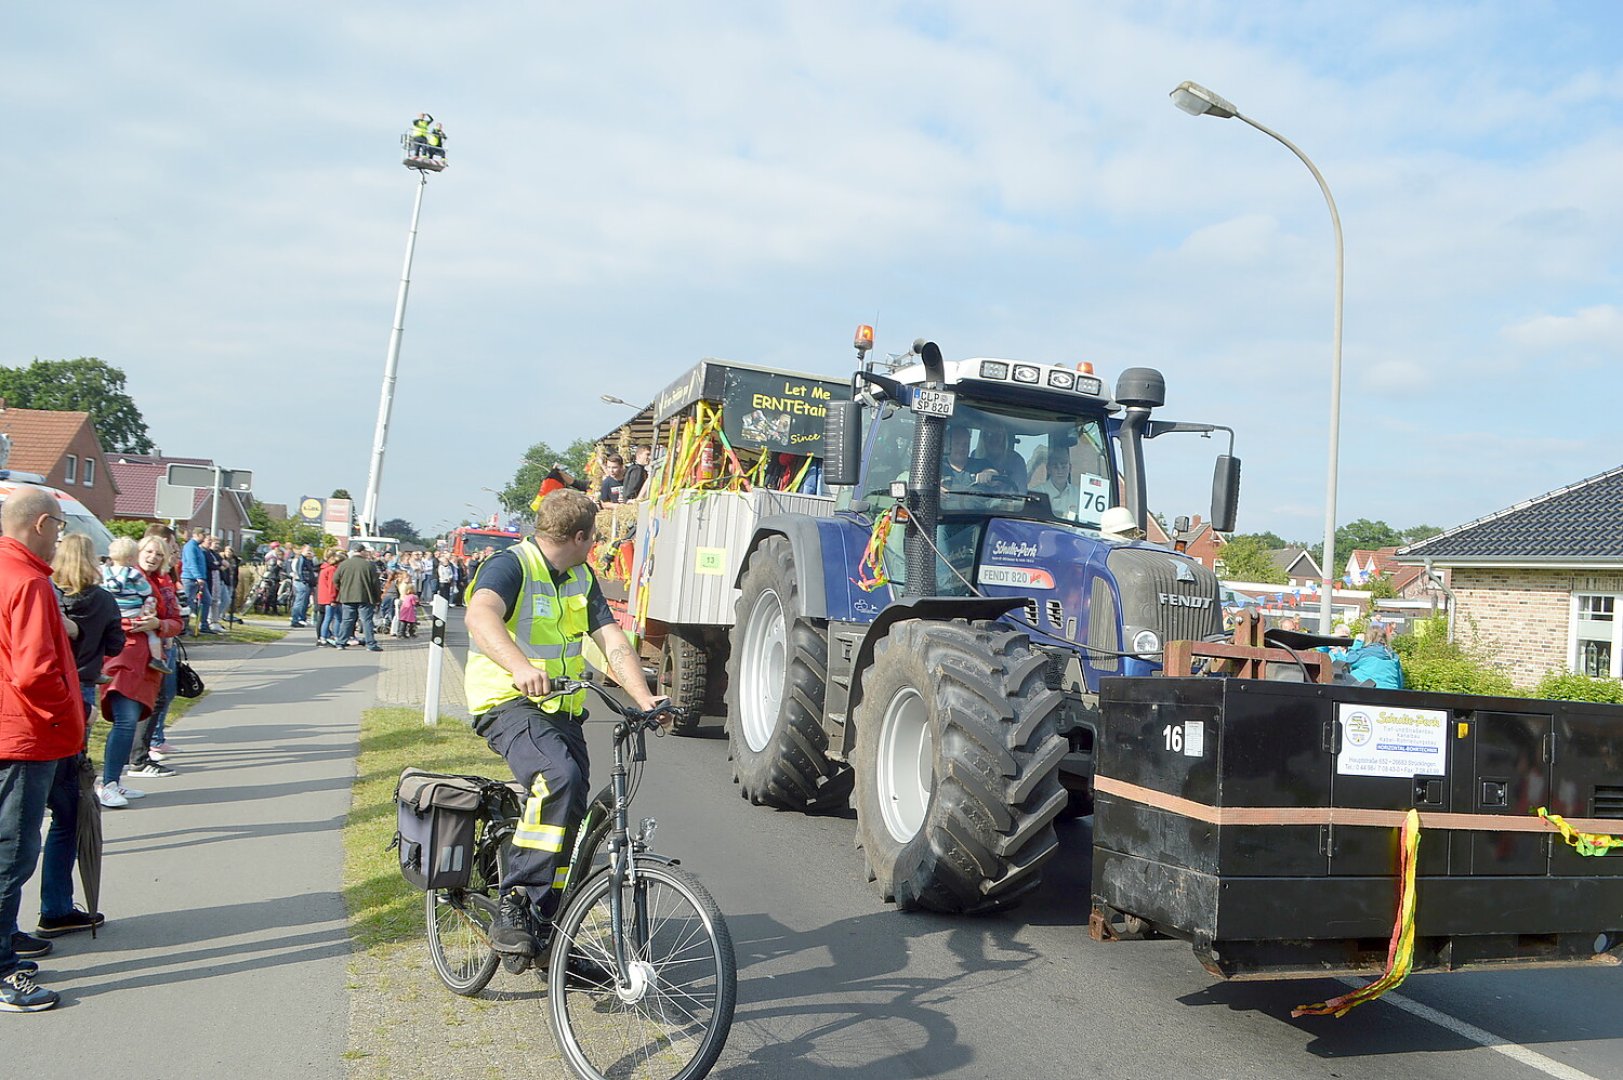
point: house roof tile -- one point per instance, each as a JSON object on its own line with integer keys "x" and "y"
{"x": 39, "y": 437}
{"x": 1581, "y": 521}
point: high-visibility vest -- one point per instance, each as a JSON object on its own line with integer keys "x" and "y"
{"x": 419, "y": 128}
{"x": 548, "y": 624}
{"x": 434, "y": 138}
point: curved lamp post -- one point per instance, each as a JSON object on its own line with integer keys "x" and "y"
{"x": 1196, "y": 100}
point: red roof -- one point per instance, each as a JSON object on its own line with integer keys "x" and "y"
{"x": 39, "y": 438}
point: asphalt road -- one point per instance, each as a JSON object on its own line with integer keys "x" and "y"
{"x": 835, "y": 983}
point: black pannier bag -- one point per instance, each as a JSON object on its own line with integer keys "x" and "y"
{"x": 436, "y": 815}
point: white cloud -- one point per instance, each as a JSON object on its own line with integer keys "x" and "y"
{"x": 1589, "y": 334}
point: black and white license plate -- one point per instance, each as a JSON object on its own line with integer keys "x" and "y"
{"x": 934, "y": 402}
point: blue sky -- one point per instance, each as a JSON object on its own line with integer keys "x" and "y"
{"x": 209, "y": 196}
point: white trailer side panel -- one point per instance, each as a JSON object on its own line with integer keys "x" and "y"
{"x": 697, "y": 549}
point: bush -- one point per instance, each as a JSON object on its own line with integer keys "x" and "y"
{"x": 124, "y": 527}
{"x": 1432, "y": 662}
{"x": 1564, "y": 685}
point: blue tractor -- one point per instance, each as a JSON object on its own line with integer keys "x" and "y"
{"x": 944, "y": 675}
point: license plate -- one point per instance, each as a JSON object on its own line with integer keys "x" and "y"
{"x": 934, "y": 402}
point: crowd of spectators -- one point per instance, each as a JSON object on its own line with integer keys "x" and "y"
{"x": 77, "y": 637}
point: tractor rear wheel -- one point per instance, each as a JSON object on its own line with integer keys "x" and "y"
{"x": 957, "y": 766}
{"x": 777, "y": 672}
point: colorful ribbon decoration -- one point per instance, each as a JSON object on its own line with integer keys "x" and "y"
{"x": 1596, "y": 844}
{"x": 1400, "y": 954}
{"x": 872, "y": 566}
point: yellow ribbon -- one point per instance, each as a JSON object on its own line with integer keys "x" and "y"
{"x": 1400, "y": 953}
{"x": 872, "y": 566}
{"x": 1596, "y": 844}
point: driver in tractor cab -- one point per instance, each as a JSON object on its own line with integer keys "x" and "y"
{"x": 530, "y": 608}
{"x": 999, "y": 464}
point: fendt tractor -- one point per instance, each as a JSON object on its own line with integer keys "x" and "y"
{"x": 945, "y": 674}
{"x": 1014, "y": 653}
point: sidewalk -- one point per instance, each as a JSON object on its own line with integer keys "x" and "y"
{"x": 226, "y": 943}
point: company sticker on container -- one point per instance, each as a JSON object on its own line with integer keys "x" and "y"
{"x": 1378, "y": 741}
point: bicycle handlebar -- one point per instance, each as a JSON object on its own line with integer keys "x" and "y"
{"x": 635, "y": 717}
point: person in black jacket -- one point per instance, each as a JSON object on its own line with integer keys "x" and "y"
{"x": 97, "y": 633}
{"x": 359, "y": 591}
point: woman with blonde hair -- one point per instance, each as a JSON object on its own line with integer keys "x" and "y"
{"x": 133, "y": 692}
{"x": 97, "y": 634}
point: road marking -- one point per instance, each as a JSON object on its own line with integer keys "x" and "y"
{"x": 1486, "y": 1039}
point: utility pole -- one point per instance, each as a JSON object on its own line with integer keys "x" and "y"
{"x": 421, "y": 160}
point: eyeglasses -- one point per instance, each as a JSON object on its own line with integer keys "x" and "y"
{"x": 61, "y": 523}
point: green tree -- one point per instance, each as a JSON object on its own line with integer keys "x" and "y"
{"x": 1416, "y": 533}
{"x": 538, "y": 460}
{"x": 85, "y": 384}
{"x": 401, "y": 530}
{"x": 340, "y": 493}
{"x": 1361, "y": 535}
{"x": 135, "y": 530}
{"x": 1245, "y": 558}
{"x": 1380, "y": 587}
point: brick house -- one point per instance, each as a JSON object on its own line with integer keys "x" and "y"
{"x": 1541, "y": 582}
{"x": 138, "y": 476}
{"x": 63, "y": 448}
{"x": 1200, "y": 541}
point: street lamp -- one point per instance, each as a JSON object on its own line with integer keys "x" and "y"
{"x": 1196, "y": 100}
{"x": 610, "y": 399}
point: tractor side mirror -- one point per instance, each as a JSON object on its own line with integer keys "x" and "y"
{"x": 1225, "y": 492}
{"x": 842, "y": 443}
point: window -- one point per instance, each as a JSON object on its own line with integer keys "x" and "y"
{"x": 90, "y": 472}
{"x": 1596, "y": 646}
{"x": 70, "y": 469}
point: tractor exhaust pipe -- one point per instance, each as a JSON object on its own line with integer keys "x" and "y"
{"x": 924, "y": 493}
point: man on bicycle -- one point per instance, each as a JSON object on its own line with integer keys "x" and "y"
{"x": 530, "y": 608}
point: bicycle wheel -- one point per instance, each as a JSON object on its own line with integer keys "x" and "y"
{"x": 459, "y": 939}
{"x": 674, "y": 1020}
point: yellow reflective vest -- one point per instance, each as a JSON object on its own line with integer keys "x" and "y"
{"x": 548, "y": 624}
{"x": 419, "y": 128}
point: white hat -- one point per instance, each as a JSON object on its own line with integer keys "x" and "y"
{"x": 1118, "y": 521}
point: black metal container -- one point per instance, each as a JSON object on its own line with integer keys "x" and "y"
{"x": 1260, "y": 820}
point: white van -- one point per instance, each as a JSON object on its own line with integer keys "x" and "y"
{"x": 80, "y": 519}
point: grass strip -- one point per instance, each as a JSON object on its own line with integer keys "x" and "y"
{"x": 383, "y": 909}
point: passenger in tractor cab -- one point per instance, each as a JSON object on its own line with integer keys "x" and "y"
{"x": 1058, "y": 484}
{"x": 998, "y": 465}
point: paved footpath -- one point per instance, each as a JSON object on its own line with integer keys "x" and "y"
{"x": 226, "y": 942}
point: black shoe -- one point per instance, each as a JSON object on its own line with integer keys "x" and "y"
{"x": 374, "y": 647}
{"x": 511, "y": 932}
{"x": 51, "y": 926}
{"x": 29, "y": 946}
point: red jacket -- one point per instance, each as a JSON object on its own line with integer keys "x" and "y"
{"x": 131, "y": 671}
{"x": 41, "y": 711}
{"x": 326, "y": 587}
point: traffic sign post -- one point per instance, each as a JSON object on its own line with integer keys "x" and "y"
{"x": 215, "y": 479}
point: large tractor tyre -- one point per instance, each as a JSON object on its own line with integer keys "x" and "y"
{"x": 777, "y": 673}
{"x": 684, "y": 674}
{"x": 957, "y": 766}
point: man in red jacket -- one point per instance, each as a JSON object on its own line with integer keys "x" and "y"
{"x": 41, "y": 721}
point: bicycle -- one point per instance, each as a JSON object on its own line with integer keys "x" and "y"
{"x": 639, "y": 967}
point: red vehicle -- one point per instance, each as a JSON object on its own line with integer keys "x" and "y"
{"x": 469, "y": 540}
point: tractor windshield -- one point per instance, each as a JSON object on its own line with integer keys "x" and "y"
{"x": 1001, "y": 461}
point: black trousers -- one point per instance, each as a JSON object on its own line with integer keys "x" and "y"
{"x": 547, "y": 753}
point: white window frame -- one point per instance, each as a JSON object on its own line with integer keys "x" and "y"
{"x": 89, "y": 472}
{"x": 70, "y": 469}
{"x": 1617, "y": 631}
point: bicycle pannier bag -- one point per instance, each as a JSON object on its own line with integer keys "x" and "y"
{"x": 436, "y": 816}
